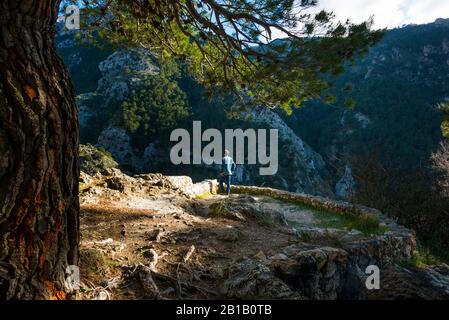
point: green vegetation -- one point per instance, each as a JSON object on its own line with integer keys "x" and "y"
{"x": 444, "y": 108}
{"x": 94, "y": 159}
{"x": 220, "y": 210}
{"x": 423, "y": 257}
{"x": 266, "y": 219}
{"x": 228, "y": 52}
{"x": 367, "y": 225}
{"x": 217, "y": 209}
{"x": 347, "y": 219}
{"x": 83, "y": 62}
{"x": 396, "y": 88}
{"x": 222, "y": 57}
{"x": 203, "y": 196}
{"x": 154, "y": 108}
{"x": 93, "y": 263}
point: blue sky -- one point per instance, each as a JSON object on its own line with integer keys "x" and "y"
{"x": 389, "y": 13}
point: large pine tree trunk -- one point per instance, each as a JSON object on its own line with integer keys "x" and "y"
{"x": 38, "y": 155}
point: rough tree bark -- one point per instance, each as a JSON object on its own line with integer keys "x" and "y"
{"x": 38, "y": 155}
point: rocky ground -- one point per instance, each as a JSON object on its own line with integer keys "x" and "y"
{"x": 156, "y": 237}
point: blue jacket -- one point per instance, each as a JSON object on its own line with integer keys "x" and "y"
{"x": 227, "y": 166}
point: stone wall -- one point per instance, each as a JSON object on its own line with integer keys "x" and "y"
{"x": 321, "y": 203}
{"x": 314, "y": 271}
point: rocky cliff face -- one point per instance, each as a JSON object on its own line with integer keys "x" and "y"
{"x": 301, "y": 168}
{"x": 122, "y": 71}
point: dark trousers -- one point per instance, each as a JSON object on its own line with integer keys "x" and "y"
{"x": 226, "y": 179}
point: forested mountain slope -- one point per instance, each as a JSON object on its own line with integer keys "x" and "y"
{"x": 395, "y": 89}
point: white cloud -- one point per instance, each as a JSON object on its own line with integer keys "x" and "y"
{"x": 388, "y": 13}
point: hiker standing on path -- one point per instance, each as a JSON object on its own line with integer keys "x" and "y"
{"x": 227, "y": 170}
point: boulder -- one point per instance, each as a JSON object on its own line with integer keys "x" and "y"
{"x": 250, "y": 279}
{"x": 186, "y": 185}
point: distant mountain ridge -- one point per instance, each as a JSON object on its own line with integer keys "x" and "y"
{"x": 442, "y": 21}
{"x": 396, "y": 88}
